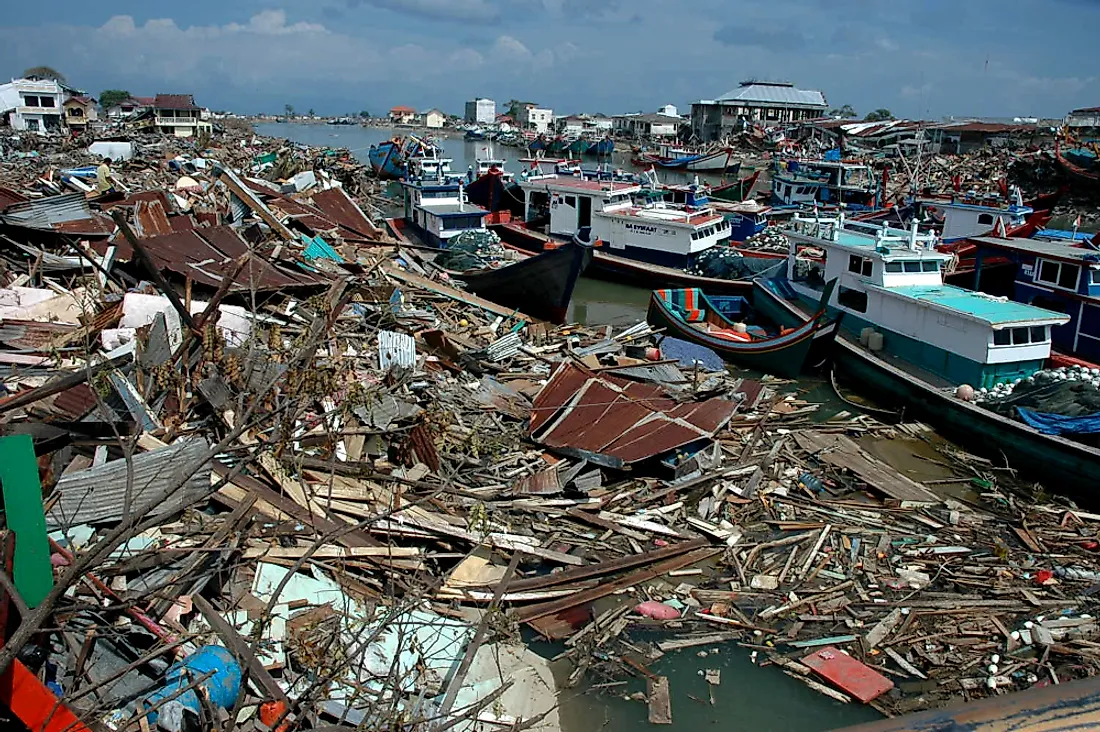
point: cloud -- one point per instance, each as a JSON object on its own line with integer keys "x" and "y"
{"x": 473, "y": 11}
{"x": 743, "y": 36}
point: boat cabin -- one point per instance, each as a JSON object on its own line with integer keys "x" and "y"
{"x": 829, "y": 182}
{"x": 891, "y": 280}
{"x": 440, "y": 211}
{"x": 963, "y": 218}
{"x": 656, "y": 232}
{"x": 1055, "y": 276}
{"x": 431, "y": 168}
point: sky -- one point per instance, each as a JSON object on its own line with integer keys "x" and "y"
{"x": 924, "y": 59}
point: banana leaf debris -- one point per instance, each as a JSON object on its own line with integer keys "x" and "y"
{"x": 258, "y": 473}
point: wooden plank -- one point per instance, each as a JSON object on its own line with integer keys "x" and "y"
{"x": 333, "y": 552}
{"x": 885, "y": 627}
{"x": 553, "y": 607}
{"x": 604, "y": 568}
{"x": 26, "y": 518}
{"x": 660, "y": 704}
{"x": 842, "y": 452}
{"x": 239, "y": 647}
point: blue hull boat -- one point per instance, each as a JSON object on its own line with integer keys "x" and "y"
{"x": 387, "y": 160}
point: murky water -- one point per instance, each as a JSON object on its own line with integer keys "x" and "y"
{"x": 462, "y": 152}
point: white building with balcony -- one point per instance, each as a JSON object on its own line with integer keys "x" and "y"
{"x": 177, "y": 114}
{"x": 32, "y": 105}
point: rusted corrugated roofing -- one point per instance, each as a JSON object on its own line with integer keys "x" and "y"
{"x": 9, "y": 197}
{"x": 206, "y": 255}
{"x": 624, "y": 421}
{"x": 183, "y": 222}
{"x": 338, "y": 206}
{"x": 150, "y": 219}
{"x": 174, "y": 101}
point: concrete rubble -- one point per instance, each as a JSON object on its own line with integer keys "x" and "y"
{"x": 260, "y": 474}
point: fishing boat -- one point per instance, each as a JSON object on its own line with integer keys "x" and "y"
{"x": 1055, "y": 275}
{"x": 652, "y": 245}
{"x": 718, "y": 160}
{"x": 735, "y": 190}
{"x": 601, "y": 148}
{"x": 386, "y": 160}
{"x": 1080, "y": 175}
{"x": 805, "y": 182}
{"x": 475, "y": 133}
{"x": 538, "y": 285}
{"x": 578, "y": 147}
{"x": 731, "y": 326}
{"x": 910, "y": 340}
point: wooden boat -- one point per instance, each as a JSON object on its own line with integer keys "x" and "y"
{"x": 1076, "y": 173}
{"x": 691, "y": 315}
{"x": 601, "y": 148}
{"x": 735, "y": 190}
{"x": 540, "y": 285}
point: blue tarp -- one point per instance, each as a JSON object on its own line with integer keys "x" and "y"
{"x": 1058, "y": 424}
{"x": 688, "y": 354}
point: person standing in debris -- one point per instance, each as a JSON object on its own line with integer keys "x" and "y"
{"x": 104, "y": 179}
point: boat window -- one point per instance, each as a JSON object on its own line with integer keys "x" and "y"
{"x": 1002, "y": 338}
{"x": 912, "y": 266}
{"x": 929, "y": 265}
{"x": 1039, "y": 334}
{"x": 1094, "y": 276}
{"x": 1067, "y": 278}
{"x": 1020, "y": 336}
{"x": 985, "y": 219}
{"x": 893, "y": 266}
{"x": 860, "y": 265}
{"x": 1059, "y": 273}
{"x": 1048, "y": 271}
{"x": 852, "y": 299}
{"x": 571, "y": 201}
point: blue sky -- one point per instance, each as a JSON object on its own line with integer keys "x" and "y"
{"x": 928, "y": 58}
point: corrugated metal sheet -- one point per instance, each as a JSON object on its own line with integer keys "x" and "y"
{"x": 45, "y": 212}
{"x": 98, "y": 494}
{"x": 621, "y": 420}
{"x": 150, "y": 219}
{"x": 9, "y": 197}
{"x": 396, "y": 349}
{"x": 30, "y": 335}
{"x": 337, "y": 205}
{"x": 207, "y": 254}
{"x": 765, "y": 93}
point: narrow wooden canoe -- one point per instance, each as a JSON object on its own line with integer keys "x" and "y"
{"x": 690, "y": 315}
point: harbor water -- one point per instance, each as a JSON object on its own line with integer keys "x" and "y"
{"x": 461, "y": 151}
{"x": 749, "y": 696}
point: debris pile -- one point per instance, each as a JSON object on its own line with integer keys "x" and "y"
{"x": 259, "y": 474}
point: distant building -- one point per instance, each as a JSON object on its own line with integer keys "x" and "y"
{"x": 177, "y": 114}
{"x": 1087, "y": 118}
{"x": 481, "y": 111}
{"x": 80, "y": 111}
{"x": 669, "y": 110}
{"x": 573, "y": 124}
{"x": 766, "y": 102}
{"x": 401, "y": 115}
{"x": 127, "y": 107}
{"x": 32, "y": 105}
{"x": 647, "y": 125}
{"x": 434, "y": 118}
{"x": 533, "y": 117}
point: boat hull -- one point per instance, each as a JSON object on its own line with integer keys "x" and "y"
{"x": 385, "y": 159}
{"x": 783, "y": 355}
{"x": 625, "y": 271}
{"x": 1070, "y": 466}
{"x": 541, "y": 285}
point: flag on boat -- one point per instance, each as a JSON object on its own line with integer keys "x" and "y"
{"x": 999, "y": 228}
{"x": 1077, "y": 222}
